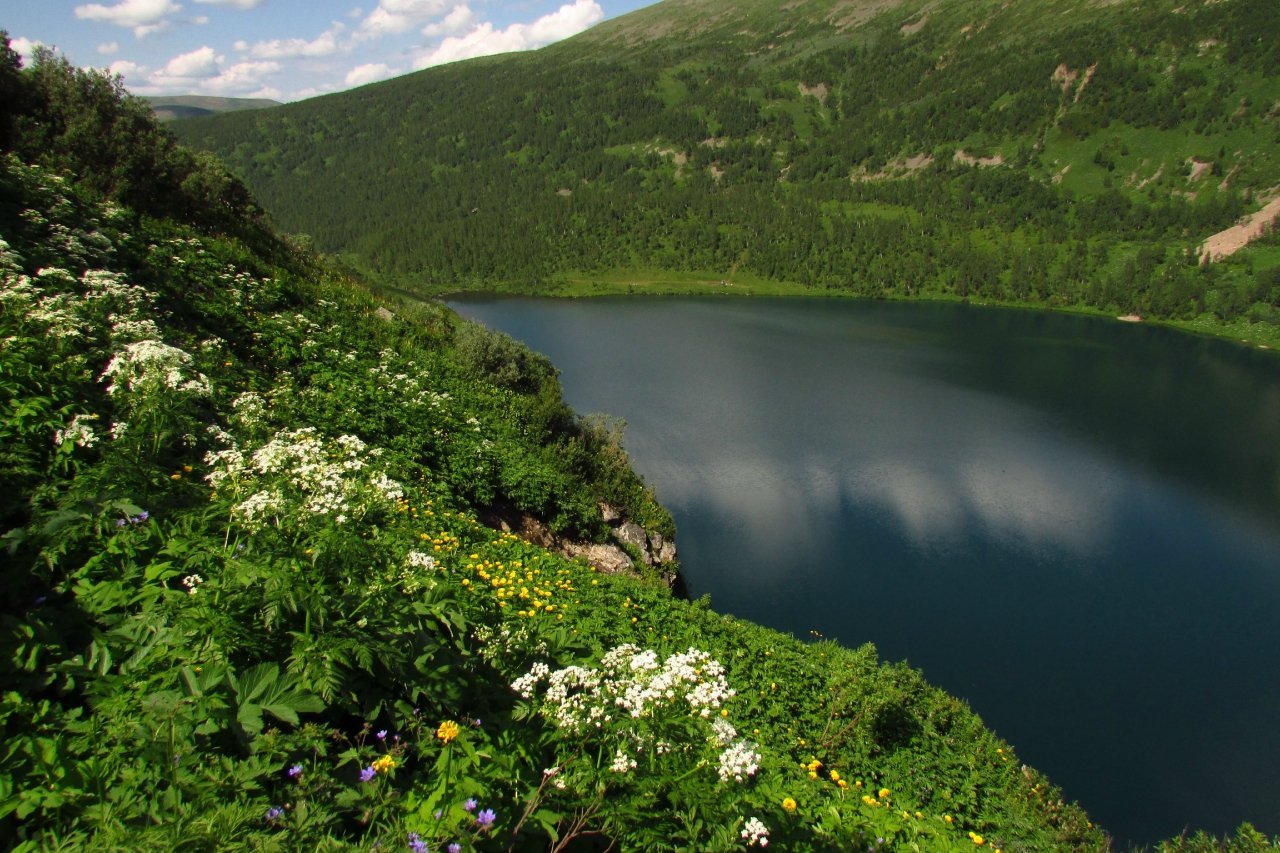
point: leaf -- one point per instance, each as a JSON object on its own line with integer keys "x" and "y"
{"x": 155, "y": 570}
{"x": 263, "y": 688}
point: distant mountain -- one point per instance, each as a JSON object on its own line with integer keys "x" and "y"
{"x": 1068, "y": 154}
{"x": 170, "y": 107}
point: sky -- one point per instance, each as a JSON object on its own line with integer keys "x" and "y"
{"x": 287, "y": 50}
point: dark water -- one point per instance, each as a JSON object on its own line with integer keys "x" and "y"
{"x": 1074, "y": 524}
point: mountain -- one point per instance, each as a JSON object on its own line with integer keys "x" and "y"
{"x": 170, "y": 107}
{"x": 1065, "y": 154}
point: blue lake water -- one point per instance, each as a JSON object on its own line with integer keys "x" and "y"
{"x": 1073, "y": 524}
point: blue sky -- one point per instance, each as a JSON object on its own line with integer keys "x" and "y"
{"x": 286, "y": 49}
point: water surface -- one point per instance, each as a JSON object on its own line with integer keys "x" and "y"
{"x": 1071, "y": 523}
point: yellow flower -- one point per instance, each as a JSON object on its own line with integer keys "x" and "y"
{"x": 788, "y": 804}
{"x": 948, "y": 818}
{"x": 813, "y": 774}
{"x": 835, "y": 777}
{"x": 448, "y": 731}
{"x": 977, "y": 839}
{"x": 884, "y": 792}
{"x": 843, "y": 785}
{"x": 384, "y": 764}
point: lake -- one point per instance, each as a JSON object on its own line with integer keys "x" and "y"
{"x": 1072, "y": 523}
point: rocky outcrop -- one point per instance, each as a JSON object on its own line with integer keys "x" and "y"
{"x": 630, "y": 550}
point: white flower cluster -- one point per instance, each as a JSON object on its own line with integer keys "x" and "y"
{"x": 78, "y": 431}
{"x": 738, "y": 762}
{"x": 403, "y": 380}
{"x": 153, "y": 367}
{"x": 631, "y": 681}
{"x": 622, "y": 763}
{"x": 755, "y": 832}
{"x": 298, "y": 467}
{"x": 249, "y": 409}
{"x": 53, "y": 314}
{"x": 419, "y": 560}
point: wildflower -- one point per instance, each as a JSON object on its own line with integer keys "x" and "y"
{"x": 884, "y": 792}
{"x": 447, "y": 731}
{"x": 416, "y": 844}
{"x": 622, "y": 763}
{"x": 738, "y": 762}
{"x": 977, "y": 839}
{"x": 295, "y": 771}
{"x": 77, "y": 432}
{"x": 367, "y": 774}
{"x": 455, "y": 847}
{"x": 274, "y": 814}
{"x": 192, "y": 582}
{"x": 382, "y": 734}
{"x": 788, "y": 804}
{"x": 470, "y": 805}
{"x": 384, "y": 764}
{"x": 755, "y": 832}
{"x": 486, "y": 818}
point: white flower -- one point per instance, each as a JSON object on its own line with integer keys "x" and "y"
{"x": 78, "y": 431}
{"x": 622, "y": 763}
{"x": 191, "y": 582}
{"x": 738, "y": 762}
{"x": 755, "y": 832}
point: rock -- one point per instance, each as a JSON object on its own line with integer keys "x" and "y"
{"x": 609, "y": 559}
{"x": 632, "y": 534}
{"x": 610, "y": 515}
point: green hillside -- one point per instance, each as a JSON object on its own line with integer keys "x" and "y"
{"x": 1072, "y": 155}
{"x": 250, "y": 603}
{"x": 170, "y": 107}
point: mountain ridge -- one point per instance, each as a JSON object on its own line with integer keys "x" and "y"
{"x": 1064, "y": 133}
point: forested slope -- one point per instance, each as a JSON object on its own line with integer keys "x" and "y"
{"x": 1064, "y": 154}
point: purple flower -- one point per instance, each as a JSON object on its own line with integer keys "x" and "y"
{"x": 275, "y": 813}
{"x": 486, "y": 818}
{"x": 455, "y": 847}
{"x": 470, "y": 805}
{"x": 120, "y": 522}
{"x": 143, "y": 516}
{"x": 367, "y": 774}
{"x": 295, "y": 771}
{"x": 416, "y": 844}
{"x": 382, "y": 734}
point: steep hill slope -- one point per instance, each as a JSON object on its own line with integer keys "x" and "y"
{"x": 1066, "y": 154}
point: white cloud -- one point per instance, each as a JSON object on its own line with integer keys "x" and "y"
{"x": 484, "y": 40}
{"x": 201, "y": 62}
{"x": 399, "y": 16}
{"x": 109, "y": 47}
{"x": 459, "y": 19}
{"x": 368, "y": 73}
{"x": 324, "y": 45}
{"x": 144, "y": 16}
{"x": 244, "y": 78}
{"x": 130, "y": 71}
{"x": 26, "y": 48}
{"x": 239, "y": 4}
